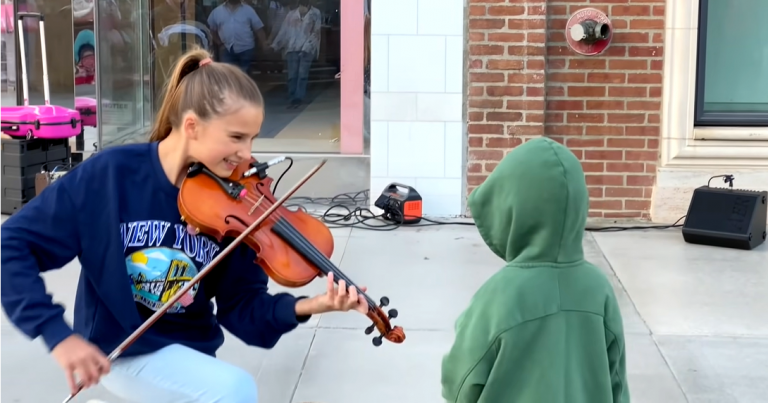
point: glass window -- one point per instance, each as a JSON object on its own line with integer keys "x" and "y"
{"x": 123, "y": 79}
{"x": 732, "y": 76}
{"x": 290, "y": 48}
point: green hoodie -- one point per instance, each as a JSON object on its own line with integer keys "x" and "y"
{"x": 546, "y": 328}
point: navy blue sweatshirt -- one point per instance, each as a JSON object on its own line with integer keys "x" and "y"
{"x": 117, "y": 213}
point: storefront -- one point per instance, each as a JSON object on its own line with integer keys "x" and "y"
{"x": 140, "y": 40}
{"x": 436, "y": 92}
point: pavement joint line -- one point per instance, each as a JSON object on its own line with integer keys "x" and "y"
{"x": 618, "y": 279}
{"x": 303, "y": 366}
{"x": 669, "y": 367}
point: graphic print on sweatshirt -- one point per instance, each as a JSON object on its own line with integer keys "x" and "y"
{"x": 167, "y": 258}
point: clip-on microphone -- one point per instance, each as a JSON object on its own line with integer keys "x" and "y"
{"x": 260, "y": 168}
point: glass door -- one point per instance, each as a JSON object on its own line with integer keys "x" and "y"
{"x": 122, "y": 82}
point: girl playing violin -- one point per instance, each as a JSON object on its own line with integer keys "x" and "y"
{"x": 117, "y": 213}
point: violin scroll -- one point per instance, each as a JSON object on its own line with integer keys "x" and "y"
{"x": 381, "y": 322}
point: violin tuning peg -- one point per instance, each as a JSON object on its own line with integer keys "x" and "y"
{"x": 369, "y": 329}
{"x": 383, "y": 302}
{"x": 392, "y": 313}
{"x": 377, "y": 341}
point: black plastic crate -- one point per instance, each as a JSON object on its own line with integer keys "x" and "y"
{"x": 23, "y": 152}
{"x": 14, "y": 199}
{"x": 58, "y": 153}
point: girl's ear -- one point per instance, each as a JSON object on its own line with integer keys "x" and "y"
{"x": 190, "y": 126}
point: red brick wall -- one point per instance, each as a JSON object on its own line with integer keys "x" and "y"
{"x": 525, "y": 81}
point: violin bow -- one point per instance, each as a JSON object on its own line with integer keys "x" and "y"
{"x": 176, "y": 297}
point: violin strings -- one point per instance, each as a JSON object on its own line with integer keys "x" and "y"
{"x": 320, "y": 257}
{"x": 277, "y": 215}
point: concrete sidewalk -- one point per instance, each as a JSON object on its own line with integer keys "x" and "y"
{"x": 695, "y": 317}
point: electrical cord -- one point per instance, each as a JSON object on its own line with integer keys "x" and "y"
{"x": 350, "y": 209}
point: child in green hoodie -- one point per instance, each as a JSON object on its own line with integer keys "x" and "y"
{"x": 546, "y": 328}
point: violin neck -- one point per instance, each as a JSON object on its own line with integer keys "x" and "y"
{"x": 300, "y": 244}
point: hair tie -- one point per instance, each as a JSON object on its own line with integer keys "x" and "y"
{"x": 205, "y": 61}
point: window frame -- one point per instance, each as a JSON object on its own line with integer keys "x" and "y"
{"x": 700, "y": 117}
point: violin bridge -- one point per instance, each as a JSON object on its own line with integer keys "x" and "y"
{"x": 256, "y": 205}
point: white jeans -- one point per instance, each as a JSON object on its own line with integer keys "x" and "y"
{"x": 178, "y": 374}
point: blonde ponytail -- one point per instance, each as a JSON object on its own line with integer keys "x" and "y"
{"x": 200, "y": 89}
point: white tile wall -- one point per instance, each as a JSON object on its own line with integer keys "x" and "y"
{"x": 417, "y": 72}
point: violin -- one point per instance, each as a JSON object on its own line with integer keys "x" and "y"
{"x": 292, "y": 247}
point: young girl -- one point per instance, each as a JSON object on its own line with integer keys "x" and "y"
{"x": 116, "y": 212}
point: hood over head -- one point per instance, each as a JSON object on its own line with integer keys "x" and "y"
{"x": 533, "y": 207}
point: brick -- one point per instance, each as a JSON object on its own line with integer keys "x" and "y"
{"x": 595, "y": 192}
{"x": 474, "y": 168}
{"x": 502, "y": 142}
{"x": 565, "y": 105}
{"x": 477, "y": 10}
{"x": 644, "y": 78}
{"x": 506, "y": 11}
{"x": 633, "y": 11}
{"x": 643, "y": 105}
{"x": 487, "y": 77}
{"x": 626, "y": 118}
{"x": 487, "y": 23}
{"x": 606, "y": 204}
{"x": 486, "y": 50}
{"x": 485, "y": 155}
{"x": 587, "y": 64}
{"x": 604, "y": 155}
{"x": 506, "y": 37}
{"x": 507, "y": 90}
{"x": 589, "y": 166}
{"x": 625, "y": 143}
{"x": 604, "y": 130}
{"x": 635, "y": 167}
{"x": 581, "y": 91}
{"x": 628, "y": 64}
{"x": 485, "y": 103}
{"x": 577, "y": 117}
{"x": 476, "y": 116}
{"x": 637, "y": 204}
{"x": 634, "y": 155}
{"x": 641, "y": 24}
{"x": 477, "y": 128}
{"x": 503, "y": 116}
{"x": 631, "y": 37}
{"x": 622, "y": 192}
{"x": 605, "y": 180}
{"x": 503, "y": 64}
{"x": 640, "y": 180}
{"x": 566, "y": 77}
{"x": 605, "y": 105}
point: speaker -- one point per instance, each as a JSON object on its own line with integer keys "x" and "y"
{"x": 730, "y": 218}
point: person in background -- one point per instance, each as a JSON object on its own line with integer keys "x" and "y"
{"x": 299, "y": 41}
{"x": 235, "y": 27}
{"x": 546, "y": 328}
